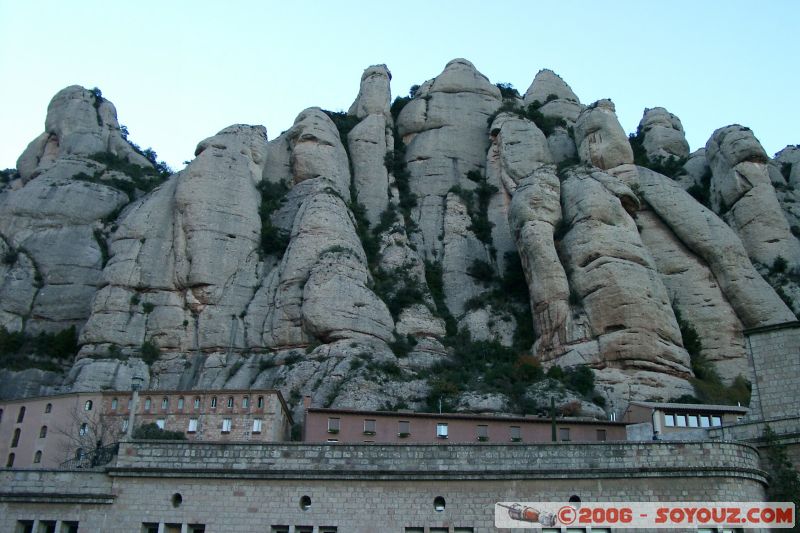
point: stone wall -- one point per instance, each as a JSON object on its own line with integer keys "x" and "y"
{"x": 775, "y": 358}
{"x": 361, "y": 488}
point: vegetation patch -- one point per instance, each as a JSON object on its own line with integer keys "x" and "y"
{"x": 273, "y": 239}
{"x": 477, "y": 204}
{"x": 670, "y": 166}
{"x": 151, "y": 431}
{"x": 531, "y": 112}
{"x": 19, "y": 351}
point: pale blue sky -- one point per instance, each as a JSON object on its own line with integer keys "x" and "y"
{"x": 179, "y": 71}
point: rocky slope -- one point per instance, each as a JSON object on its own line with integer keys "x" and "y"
{"x": 453, "y": 245}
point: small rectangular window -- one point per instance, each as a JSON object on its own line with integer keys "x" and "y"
{"x": 192, "y": 425}
{"x": 230, "y": 402}
{"x": 180, "y": 404}
{"x": 463, "y": 530}
{"x": 328, "y": 529}
{"x": 680, "y": 421}
{"x": 333, "y": 440}
{"x": 304, "y": 529}
{"x": 164, "y": 403}
{"x": 333, "y": 425}
{"x": 516, "y": 433}
{"x": 669, "y": 420}
{"x": 483, "y": 432}
{"x": 161, "y": 423}
{"x": 245, "y": 402}
{"x": 24, "y": 526}
{"x": 114, "y": 404}
{"x": 279, "y": 529}
{"x": 197, "y": 403}
{"x": 369, "y": 427}
{"x": 716, "y": 421}
{"x": 197, "y": 528}
{"x": 257, "y": 425}
{"x": 260, "y": 402}
{"x": 226, "y": 425}
{"x": 601, "y": 435}
{"x": 147, "y": 404}
{"x": 693, "y": 422}
{"x": 69, "y": 527}
{"x": 415, "y": 530}
{"x": 124, "y": 425}
{"x": 563, "y": 434}
{"x": 403, "y": 428}
{"x": 441, "y": 430}
{"x": 214, "y": 401}
{"x": 149, "y": 527}
{"x": 705, "y": 422}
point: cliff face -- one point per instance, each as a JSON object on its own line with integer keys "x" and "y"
{"x": 441, "y": 248}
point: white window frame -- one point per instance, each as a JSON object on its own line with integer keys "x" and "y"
{"x": 192, "y": 426}
{"x": 245, "y": 402}
{"x": 257, "y": 425}
{"x": 441, "y": 430}
{"x": 227, "y": 425}
{"x": 669, "y": 420}
{"x": 180, "y": 403}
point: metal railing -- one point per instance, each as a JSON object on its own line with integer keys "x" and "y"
{"x": 97, "y": 457}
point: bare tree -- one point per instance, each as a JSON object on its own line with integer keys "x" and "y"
{"x": 84, "y": 432}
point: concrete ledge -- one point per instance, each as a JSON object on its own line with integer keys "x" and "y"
{"x": 44, "y": 497}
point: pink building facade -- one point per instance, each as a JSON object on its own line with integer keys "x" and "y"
{"x": 353, "y": 426}
{"x": 45, "y": 432}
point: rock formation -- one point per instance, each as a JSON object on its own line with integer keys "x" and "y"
{"x": 451, "y": 246}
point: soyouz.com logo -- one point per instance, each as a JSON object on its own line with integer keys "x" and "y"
{"x": 656, "y": 515}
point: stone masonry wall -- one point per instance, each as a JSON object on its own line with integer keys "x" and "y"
{"x": 775, "y": 358}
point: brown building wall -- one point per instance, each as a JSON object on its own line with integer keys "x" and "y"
{"x": 460, "y": 428}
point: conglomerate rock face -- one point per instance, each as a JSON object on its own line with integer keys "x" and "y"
{"x": 358, "y": 256}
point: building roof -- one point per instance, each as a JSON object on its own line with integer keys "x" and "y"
{"x": 460, "y": 416}
{"x": 693, "y": 407}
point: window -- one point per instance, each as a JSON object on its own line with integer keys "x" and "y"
{"x": 164, "y": 402}
{"x": 680, "y": 421}
{"x": 279, "y": 529}
{"x": 305, "y": 503}
{"x": 563, "y": 434}
{"x": 441, "y": 430}
{"x": 37, "y": 457}
{"x": 438, "y": 504}
{"x": 1, "y": 414}
{"x": 124, "y": 425}
{"x": 161, "y": 423}
{"x": 69, "y": 527}
{"x": 79, "y": 455}
{"x": 328, "y": 529}
{"x": 369, "y": 427}
{"x": 149, "y": 527}
{"x": 415, "y": 530}
{"x": 197, "y": 402}
{"x": 43, "y": 432}
{"x": 705, "y": 422}
{"x": 24, "y": 526}
{"x": 333, "y": 440}
{"x": 693, "y": 422}
{"x": 230, "y": 402}
{"x": 260, "y": 402}
{"x": 483, "y": 432}
{"x": 88, "y": 405}
{"x": 147, "y": 403}
{"x": 463, "y": 530}
{"x": 197, "y": 528}
{"x": 10, "y": 461}
{"x": 516, "y": 433}
{"x": 245, "y": 402}
{"x": 48, "y": 407}
{"x": 403, "y": 428}
{"x": 21, "y": 414}
{"x": 669, "y": 420}
{"x": 333, "y": 425}
{"x": 114, "y": 403}
{"x": 192, "y": 425}
{"x": 180, "y": 403}
{"x": 304, "y": 529}
{"x": 214, "y": 402}
{"x": 15, "y": 438}
{"x": 716, "y": 421}
{"x": 257, "y": 425}
{"x": 601, "y": 435}
{"x": 84, "y": 429}
{"x": 226, "y": 425}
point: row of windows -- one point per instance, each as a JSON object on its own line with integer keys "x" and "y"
{"x": 227, "y": 425}
{"x": 46, "y": 526}
{"x": 683, "y": 420}
{"x": 442, "y": 430}
{"x": 231, "y": 403}
{"x": 37, "y": 458}
{"x": 153, "y": 527}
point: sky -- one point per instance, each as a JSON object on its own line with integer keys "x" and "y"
{"x": 180, "y": 71}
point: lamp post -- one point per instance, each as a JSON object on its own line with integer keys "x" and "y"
{"x": 136, "y": 384}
